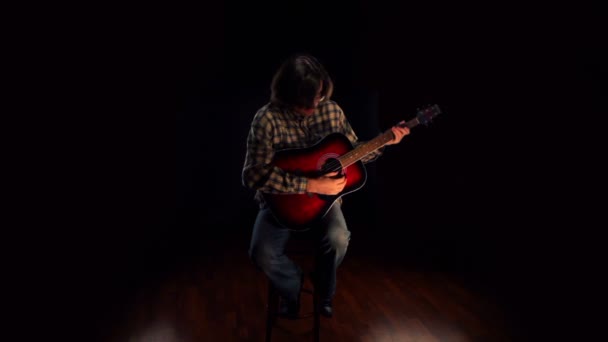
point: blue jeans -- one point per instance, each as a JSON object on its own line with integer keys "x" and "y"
{"x": 267, "y": 252}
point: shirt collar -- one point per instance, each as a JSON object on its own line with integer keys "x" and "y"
{"x": 293, "y": 115}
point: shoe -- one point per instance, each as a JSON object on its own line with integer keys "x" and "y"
{"x": 326, "y": 309}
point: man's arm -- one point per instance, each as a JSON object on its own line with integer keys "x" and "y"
{"x": 258, "y": 171}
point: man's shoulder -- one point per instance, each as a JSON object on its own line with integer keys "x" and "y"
{"x": 330, "y": 107}
{"x": 268, "y": 112}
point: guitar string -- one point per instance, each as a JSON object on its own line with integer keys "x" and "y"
{"x": 335, "y": 164}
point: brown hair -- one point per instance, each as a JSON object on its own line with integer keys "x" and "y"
{"x": 297, "y": 81}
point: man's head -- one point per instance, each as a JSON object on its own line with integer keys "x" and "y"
{"x": 301, "y": 83}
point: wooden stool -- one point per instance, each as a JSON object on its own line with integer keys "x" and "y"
{"x": 295, "y": 248}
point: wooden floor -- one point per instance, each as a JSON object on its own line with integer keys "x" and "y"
{"x": 220, "y": 296}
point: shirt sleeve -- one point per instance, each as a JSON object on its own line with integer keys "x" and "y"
{"x": 258, "y": 171}
{"x": 348, "y": 131}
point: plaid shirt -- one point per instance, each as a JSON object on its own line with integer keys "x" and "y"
{"x": 274, "y": 129}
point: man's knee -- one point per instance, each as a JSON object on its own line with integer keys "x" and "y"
{"x": 261, "y": 255}
{"x": 339, "y": 239}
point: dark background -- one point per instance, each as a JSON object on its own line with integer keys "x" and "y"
{"x": 494, "y": 190}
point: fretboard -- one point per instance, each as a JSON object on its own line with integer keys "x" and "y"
{"x": 368, "y": 147}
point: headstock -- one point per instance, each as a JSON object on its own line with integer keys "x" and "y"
{"x": 426, "y": 114}
{"x": 423, "y": 116}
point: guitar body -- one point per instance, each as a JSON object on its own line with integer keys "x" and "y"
{"x": 300, "y": 211}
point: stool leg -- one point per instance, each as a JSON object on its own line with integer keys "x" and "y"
{"x": 316, "y": 313}
{"x": 271, "y": 311}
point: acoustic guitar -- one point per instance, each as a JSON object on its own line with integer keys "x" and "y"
{"x": 333, "y": 153}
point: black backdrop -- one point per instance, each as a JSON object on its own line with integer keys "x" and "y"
{"x": 493, "y": 189}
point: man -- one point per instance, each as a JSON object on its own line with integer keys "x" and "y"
{"x": 299, "y": 114}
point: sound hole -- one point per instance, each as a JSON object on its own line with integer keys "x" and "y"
{"x": 332, "y": 165}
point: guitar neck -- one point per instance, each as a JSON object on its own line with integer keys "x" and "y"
{"x": 370, "y": 146}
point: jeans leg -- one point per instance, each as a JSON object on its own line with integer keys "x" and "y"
{"x": 267, "y": 252}
{"x": 334, "y": 240}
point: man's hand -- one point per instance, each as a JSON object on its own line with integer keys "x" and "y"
{"x": 327, "y": 184}
{"x": 399, "y": 133}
